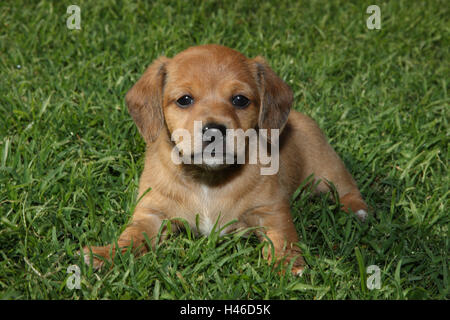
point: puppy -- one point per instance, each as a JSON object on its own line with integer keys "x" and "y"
{"x": 222, "y": 90}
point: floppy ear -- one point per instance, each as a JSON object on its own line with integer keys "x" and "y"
{"x": 144, "y": 100}
{"x": 276, "y": 97}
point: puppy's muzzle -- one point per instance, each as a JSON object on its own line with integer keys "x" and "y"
{"x": 214, "y": 151}
{"x": 214, "y": 132}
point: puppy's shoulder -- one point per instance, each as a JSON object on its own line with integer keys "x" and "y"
{"x": 298, "y": 120}
{"x": 301, "y": 130}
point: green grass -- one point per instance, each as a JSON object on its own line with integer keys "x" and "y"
{"x": 71, "y": 156}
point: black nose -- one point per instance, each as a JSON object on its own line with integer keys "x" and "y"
{"x": 214, "y": 129}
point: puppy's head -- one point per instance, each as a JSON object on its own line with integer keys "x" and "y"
{"x": 208, "y": 90}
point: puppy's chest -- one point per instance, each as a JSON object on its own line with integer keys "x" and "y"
{"x": 207, "y": 208}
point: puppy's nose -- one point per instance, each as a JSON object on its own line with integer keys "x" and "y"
{"x": 213, "y": 129}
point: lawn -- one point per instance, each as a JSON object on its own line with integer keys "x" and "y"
{"x": 71, "y": 156}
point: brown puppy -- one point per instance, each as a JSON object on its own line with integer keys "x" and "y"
{"x": 224, "y": 90}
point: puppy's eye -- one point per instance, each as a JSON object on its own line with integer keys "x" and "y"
{"x": 240, "y": 101}
{"x": 185, "y": 101}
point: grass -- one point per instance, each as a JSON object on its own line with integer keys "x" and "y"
{"x": 71, "y": 156}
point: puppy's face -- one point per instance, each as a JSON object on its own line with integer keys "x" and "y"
{"x": 206, "y": 91}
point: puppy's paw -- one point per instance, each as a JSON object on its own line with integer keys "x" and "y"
{"x": 285, "y": 258}
{"x": 352, "y": 202}
{"x": 298, "y": 271}
{"x": 299, "y": 265}
{"x": 94, "y": 252}
{"x": 362, "y": 214}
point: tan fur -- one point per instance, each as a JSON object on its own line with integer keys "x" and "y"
{"x": 212, "y": 74}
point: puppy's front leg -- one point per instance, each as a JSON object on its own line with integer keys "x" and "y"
{"x": 144, "y": 221}
{"x": 279, "y": 228}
